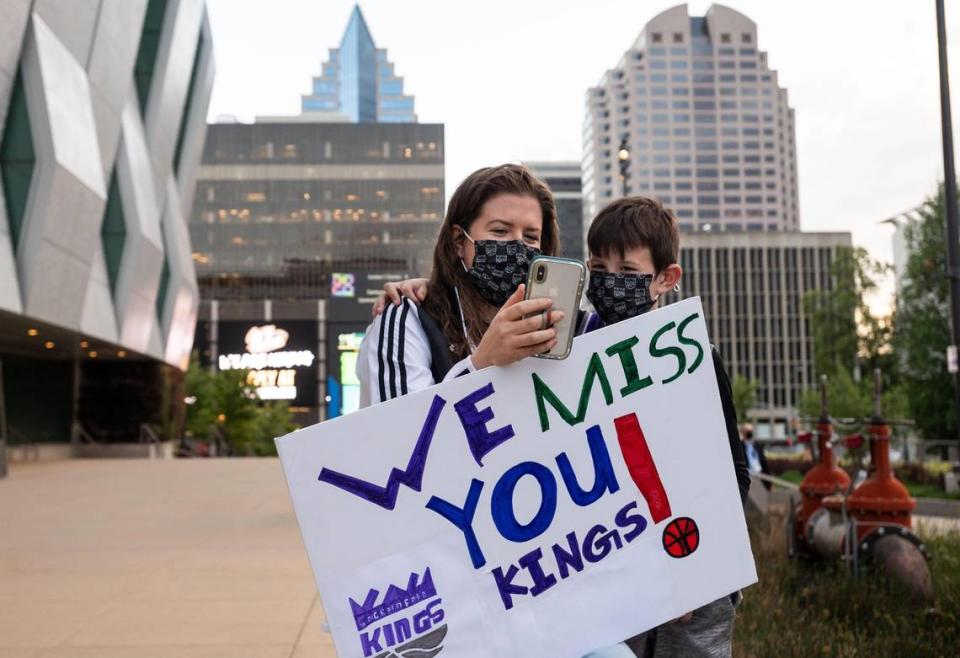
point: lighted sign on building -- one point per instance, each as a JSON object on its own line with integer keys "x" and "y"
{"x": 279, "y": 361}
{"x": 343, "y": 285}
{"x": 348, "y": 347}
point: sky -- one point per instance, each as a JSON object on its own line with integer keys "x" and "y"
{"x": 508, "y": 79}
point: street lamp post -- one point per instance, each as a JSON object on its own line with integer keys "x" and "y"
{"x": 623, "y": 154}
{"x": 950, "y": 193}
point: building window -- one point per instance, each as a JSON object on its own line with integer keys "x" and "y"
{"x": 678, "y": 37}
{"x": 746, "y": 37}
{"x": 725, "y": 38}
{"x": 656, "y": 37}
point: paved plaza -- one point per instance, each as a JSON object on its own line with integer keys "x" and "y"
{"x": 154, "y": 559}
{"x": 160, "y": 559}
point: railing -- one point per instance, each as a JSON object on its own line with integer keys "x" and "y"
{"x": 79, "y": 435}
{"x": 786, "y": 484}
{"x": 23, "y": 443}
{"x": 148, "y": 434}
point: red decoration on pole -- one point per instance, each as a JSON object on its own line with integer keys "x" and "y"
{"x": 853, "y": 442}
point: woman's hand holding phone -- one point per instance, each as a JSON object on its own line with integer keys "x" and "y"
{"x": 514, "y": 335}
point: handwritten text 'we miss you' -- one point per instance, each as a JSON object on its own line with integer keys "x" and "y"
{"x": 533, "y": 573}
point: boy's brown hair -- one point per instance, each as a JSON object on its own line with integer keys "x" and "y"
{"x": 632, "y": 222}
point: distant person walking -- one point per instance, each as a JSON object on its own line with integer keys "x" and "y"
{"x": 754, "y": 452}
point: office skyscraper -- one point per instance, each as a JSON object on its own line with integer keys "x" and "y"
{"x": 358, "y": 82}
{"x": 564, "y": 181}
{"x": 752, "y": 286}
{"x": 707, "y": 127}
{"x": 700, "y": 122}
{"x": 298, "y": 221}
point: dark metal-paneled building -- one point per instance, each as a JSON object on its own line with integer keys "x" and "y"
{"x": 281, "y": 206}
{"x": 295, "y": 227}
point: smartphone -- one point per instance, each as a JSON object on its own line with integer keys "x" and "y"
{"x": 560, "y": 279}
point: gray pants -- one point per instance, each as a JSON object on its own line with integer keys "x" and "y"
{"x": 708, "y": 634}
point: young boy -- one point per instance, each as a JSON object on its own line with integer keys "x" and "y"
{"x": 634, "y": 247}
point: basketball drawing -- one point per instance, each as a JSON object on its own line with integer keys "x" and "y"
{"x": 681, "y": 537}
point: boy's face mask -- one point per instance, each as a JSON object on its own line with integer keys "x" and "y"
{"x": 620, "y": 296}
{"x": 499, "y": 267}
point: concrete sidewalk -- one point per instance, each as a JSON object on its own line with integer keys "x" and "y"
{"x": 154, "y": 559}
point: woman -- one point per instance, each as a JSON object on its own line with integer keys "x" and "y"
{"x": 474, "y": 314}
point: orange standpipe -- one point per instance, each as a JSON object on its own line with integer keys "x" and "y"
{"x": 873, "y": 524}
{"x": 824, "y": 479}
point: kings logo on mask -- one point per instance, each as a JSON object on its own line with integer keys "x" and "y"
{"x": 403, "y": 622}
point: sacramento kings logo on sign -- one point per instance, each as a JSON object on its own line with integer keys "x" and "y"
{"x": 402, "y": 624}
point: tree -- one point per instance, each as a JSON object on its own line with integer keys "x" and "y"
{"x": 845, "y": 398}
{"x": 744, "y": 395}
{"x": 848, "y": 399}
{"x": 849, "y": 338}
{"x": 846, "y": 333}
{"x": 274, "y": 420}
{"x": 224, "y": 400}
{"x": 922, "y": 327}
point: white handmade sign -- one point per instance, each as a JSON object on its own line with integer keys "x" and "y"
{"x": 547, "y": 508}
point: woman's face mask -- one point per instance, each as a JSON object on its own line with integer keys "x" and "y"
{"x": 499, "y": 267}
{"x": 620, "y": 296}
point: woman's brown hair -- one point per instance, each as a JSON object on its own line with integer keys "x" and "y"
{"x": 448, "y": 273}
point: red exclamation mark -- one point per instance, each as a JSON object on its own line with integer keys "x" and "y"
{"x": 644, "y": 472}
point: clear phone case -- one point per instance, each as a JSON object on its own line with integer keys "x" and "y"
{"x": 560, "y": 279}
